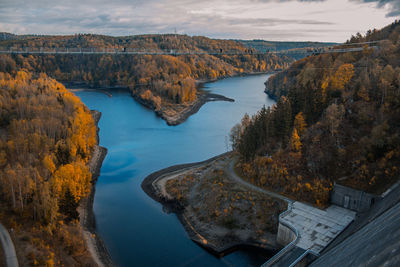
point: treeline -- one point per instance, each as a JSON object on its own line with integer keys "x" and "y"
{"x": 337, "y": 119}
{"x": 268, "y": 46}
{"x": 46, "y": 140}
{"x": 169, "y": 78}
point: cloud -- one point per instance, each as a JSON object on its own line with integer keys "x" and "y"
{"x": 123, "y": 17}
{"x": 394, "y": 5}
{"x": 331, "y": 20}
{"x": 282, "y": 1}
{"x": 257, "y": 22}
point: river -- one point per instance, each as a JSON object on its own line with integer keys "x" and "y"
{"x": 135, "y": 229}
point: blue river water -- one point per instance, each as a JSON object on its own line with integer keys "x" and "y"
{"x": 135, "y": 229}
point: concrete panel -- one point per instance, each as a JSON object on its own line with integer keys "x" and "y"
{"x": 316, "y": 227}
{"x": 285, "y": 235}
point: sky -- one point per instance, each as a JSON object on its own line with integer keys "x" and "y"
{"x": 275, "y": 20}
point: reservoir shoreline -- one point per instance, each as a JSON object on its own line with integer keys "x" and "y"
{"x": 215, "y": 246}
{"x": 181, "y": 116}
{"x": 203, "y": 97}
{"x": 94, "y": 242}
{"x": 131, "y": 158}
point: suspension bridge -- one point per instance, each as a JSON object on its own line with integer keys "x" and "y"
{"x": 342, "y": 48}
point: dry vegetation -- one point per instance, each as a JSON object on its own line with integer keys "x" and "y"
{"x": 223, "y": 211}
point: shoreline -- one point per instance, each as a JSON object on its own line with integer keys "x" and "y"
{"x": 93, "y": 241}
{"x": 91, "y": 90}
{"x": 203, "y": 97}
{"x": 229, "y": 244}
{"x": 243, "y": 74}
{"x": 181, "y": 116}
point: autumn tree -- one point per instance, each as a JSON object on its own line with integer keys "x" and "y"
{"x": 295, "y": 143}
{"x": 170, "y": 79}
{"x": 341, "y": 110}
{"x": 342, "y": 76}
{"x": 300, "y": 124}
{"x": 48, "y": 139}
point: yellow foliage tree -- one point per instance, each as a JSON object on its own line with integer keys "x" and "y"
{"x": 299, "y": 123}
{"x": 74, "y": 177}
{"x": 342, "y": 76}
{"x": 295, "y": 143}
{"x": 48, "y": 163}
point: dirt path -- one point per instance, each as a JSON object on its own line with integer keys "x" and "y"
{"x": 161, "y": 182}
{"x": 213, "y": 235}
{"x": 8, "y": 247}
{"x": 232, "y": 174}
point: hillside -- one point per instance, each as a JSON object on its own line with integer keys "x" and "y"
{"x": 47, "y": 137}
{"x": 163, "y": 82}
{"x": 337, "y": 119}
{"x": 265, "y": 46}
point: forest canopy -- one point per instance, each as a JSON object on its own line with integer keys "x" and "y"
{"x": 170, "y": 79}
{"x": 337, "y": 119}
{"x": 47, "y": 137}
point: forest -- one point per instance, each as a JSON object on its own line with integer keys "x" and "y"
{"x": 336, "y": 120}
{"x": 47, "y": 137}
{"x": 268, "y": 46}
{"x": 157, "y": 79}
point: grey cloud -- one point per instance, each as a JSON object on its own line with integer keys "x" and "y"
{"x": 274, "y": 21}
{"x": 289, "y": 0}
{"x": 194, "y": 17}
{"x": 393, "y": 4}
{"x": 87, "y": 18}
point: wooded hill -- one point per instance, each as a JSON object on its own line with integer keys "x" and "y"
{"x": 268, "y": 46}
{"x": 47, "y": 137}
{"x": 337, "y": 119}
{"x": 156, "y": 79}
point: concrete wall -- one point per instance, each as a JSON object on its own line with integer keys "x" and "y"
{"x": 303, "y": 263}
{"x": 349, "y": 198}
{"x": 285, "y": 235}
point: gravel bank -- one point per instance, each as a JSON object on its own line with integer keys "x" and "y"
{"x": 94, "y": 242}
